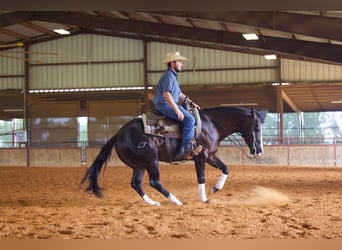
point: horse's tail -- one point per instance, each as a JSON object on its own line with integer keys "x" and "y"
{"x": 93, "y": 171}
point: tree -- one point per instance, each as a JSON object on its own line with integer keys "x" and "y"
{"x": 312, "y": 127}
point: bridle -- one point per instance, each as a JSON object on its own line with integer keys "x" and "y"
{"x": 235, "y": 141}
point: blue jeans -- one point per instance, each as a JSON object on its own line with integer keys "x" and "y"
{"x": 188, "y": 123}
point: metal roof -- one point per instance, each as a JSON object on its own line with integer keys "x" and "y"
{"x": 302, "y": 35}
{"x": 314, "y": 35}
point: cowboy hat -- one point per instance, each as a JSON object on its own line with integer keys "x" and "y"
{"x": 173, "y": 56}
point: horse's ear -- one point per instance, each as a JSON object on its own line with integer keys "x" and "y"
{"x": 262, "y": 114}
{"x": 254, "y": 116}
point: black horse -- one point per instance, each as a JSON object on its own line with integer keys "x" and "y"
{"x": 142, "y": 152}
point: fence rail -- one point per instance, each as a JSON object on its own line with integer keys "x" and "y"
{"x": 231, "y": 140}
{"x": 307, "y": 154}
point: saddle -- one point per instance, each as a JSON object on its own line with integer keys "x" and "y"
{"x": 157, "y": 124}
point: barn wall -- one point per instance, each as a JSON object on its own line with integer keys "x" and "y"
{"x": 279, "y": 155}
{"x": 12, "y": 69}
{"x": 296, "y": 71}
{"x": 55, "y": 157}
{"x": 88, "y": 61}
{"x": 92, "y": 153}
{"x": 313, "y": 156}
{"x": 100, "y": 61}
{"x": 12, "y": 157}
{"x": 210, "y": 66}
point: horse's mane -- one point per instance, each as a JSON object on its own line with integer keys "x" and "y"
{"x": 223, "y": 109}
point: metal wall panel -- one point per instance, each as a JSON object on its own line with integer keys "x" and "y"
{"x": 88, "y": 61}
{"x": 68, "y": 49}
{"x": 293, "y": 71}
{"x": 84, "y": 76}
{"x": 12, "y": 83}
{"x": 12, "y": 69}
{"x": 102, "y": 61}
{"x": 219, "y": 77}
{"x": 209, "y": 66}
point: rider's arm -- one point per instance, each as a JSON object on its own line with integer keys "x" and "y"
{"x": 168, "y": 97}
{"x": 184, "y": 98}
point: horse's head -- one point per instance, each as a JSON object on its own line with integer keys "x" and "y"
{"x": 251, "y": 131}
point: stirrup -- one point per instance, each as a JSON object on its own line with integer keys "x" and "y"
{"x": 189, "y": 155}
{"x": 197, "y": 150}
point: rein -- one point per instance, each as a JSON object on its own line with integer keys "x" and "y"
{"x": 235, "y": 141}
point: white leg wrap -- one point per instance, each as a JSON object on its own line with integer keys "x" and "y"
{"x": 174, "y": 200}
{"x": 220, "y": 183}
{"x": 149, "y": 201}
{"x": 201, "y": 189}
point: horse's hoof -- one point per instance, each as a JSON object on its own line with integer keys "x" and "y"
{"x": 214, "y": 190}
{"x": 157, "y": 204}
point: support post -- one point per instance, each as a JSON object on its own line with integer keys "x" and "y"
{"x": 26, "y": 107}
{"x": 146, "y": 104}
{"x": 280, "y": 105}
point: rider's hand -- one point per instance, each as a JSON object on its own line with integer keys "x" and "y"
{"x": 180, "y": 115}
{"x": 195, "y": 105}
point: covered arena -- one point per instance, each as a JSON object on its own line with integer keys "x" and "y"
{"x": 63, "y": 96}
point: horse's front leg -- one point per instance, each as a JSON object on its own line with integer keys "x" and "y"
{"x": 200, "y": 172}
{"x": 217, "y": 163}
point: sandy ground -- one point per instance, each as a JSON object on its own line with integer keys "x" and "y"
{"x": 256, "y": 203}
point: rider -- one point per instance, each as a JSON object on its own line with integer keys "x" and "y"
{"x": 168, "y": 95}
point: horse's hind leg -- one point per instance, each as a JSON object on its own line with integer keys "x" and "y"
{"x": 154, "y": 176}
{"x": 138, "y": 174}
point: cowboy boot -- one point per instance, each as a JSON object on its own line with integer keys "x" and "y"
{"x": 194, "y": 150}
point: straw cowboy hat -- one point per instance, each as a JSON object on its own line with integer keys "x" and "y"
{"x": 173, "y": 56}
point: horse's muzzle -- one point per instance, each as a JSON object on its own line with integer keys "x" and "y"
{"x": 256, "y": 151}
